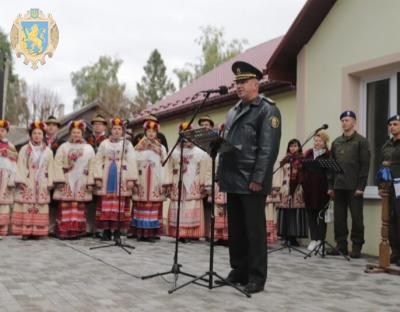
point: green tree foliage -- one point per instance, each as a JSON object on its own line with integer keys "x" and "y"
{"x": 155, "y": 84}
{"x": 215, "y": 51}
{"x": 17, "y": 111}
{"x": 100, "y": 82}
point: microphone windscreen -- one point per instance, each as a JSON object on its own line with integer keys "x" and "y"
{"x": 223, "y": 90}
{"x": 325, "y": 126}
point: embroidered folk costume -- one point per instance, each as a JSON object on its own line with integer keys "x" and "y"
{"x": 8, "y": 158}
{"x": 196, "y": 176}
{"x": 108, "y": 168}
{"x": 292, "y": 218}
{"x": 221, "y": 216}
{"x": 33, "y": 181}
{"x": 74, "y": 176}
{"x": 149, "y": 196}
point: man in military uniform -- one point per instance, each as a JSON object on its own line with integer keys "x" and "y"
{"x": 253, "y": 126}
{"x": 52, "y": 127}
{"x": 390, "y": 156}
{"x": 206, "y": 122}
{"x": 351, "y": 151}
{"x": 99, "y": 131}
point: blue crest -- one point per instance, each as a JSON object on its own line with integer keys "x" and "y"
{"x": 35, "y": 36}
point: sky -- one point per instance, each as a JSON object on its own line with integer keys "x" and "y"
{"x": 131, "y": 30}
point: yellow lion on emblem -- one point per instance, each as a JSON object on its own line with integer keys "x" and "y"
{"x": 33, "y": 37}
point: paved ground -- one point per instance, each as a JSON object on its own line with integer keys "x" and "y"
{"x": 53, "y": 275}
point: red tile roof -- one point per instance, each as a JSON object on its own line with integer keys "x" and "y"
{"x": 221, "y": 75}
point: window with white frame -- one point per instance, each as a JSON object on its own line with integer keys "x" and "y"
{"x": 380, "y": 100}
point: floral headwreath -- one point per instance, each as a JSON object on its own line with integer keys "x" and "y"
{"x": 77, "y": 124}
{"x": 117, "y": 121}
{"x": 183, "y": 126}
{"x": 4, "y": 124}
{"x": 151, "y": 124}
{"x": 37, "y": 124}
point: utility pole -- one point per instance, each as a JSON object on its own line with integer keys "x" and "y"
{"x": 3, "y": 86}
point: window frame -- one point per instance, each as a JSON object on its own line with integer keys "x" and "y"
{"x": 371, "y": 192}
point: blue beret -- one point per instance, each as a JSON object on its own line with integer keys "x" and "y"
{"x": 348, "y": 113}
{"x": 393, "y": 118}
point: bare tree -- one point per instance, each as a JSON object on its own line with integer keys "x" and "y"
{"x": 44, "y": 103}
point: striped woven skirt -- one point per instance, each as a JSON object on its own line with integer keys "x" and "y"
{"x": 30, "y": 220}
{"x": 71, "y": 219}
{"x": 191, "y": 219}
{"x": 147, "y": 219}
{"x": 4, "y": 219}
{"x": 107, "y": 212}
{"x": 221, "y": 223}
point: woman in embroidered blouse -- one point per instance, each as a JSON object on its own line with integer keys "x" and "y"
{"x": 8, "y": 168}
{"x": 74, "y": 179}
{"x": 292, "y": 218}
{"x": 149, "y": 197}
{"x": 196, "y": 179}
{"x": 107, "y": 172}
{"x": 34, "y": 179}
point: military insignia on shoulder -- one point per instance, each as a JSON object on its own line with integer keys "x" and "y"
{"x": 34, "y": 36}
{"x": 271, "y": 101}
{"x": 274, "y": 121}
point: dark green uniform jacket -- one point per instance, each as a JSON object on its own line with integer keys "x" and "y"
{"x": 391, "y": 153}
{"x": 353, "y": 155}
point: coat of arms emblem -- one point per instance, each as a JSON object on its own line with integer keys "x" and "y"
{"x": 34, "y": 36}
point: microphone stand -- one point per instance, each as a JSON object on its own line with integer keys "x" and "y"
{"x": 118, "y": 241}
{"x": 176, "y": 267}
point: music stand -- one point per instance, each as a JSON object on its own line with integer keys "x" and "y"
{"x": 324, "y": 166}
{"x": 209, "y": 141}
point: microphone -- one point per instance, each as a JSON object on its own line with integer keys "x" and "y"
{"x": 221, "y": 90}
{"x": 323, "y": 127}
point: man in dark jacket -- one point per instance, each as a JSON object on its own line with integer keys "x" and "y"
{"x": 390, "y": 156}
{"x": 351, "y": 151}
{"x": 253, "y": 126}
{"x": 53, "y": 125}
{"x": 99, "y": 132}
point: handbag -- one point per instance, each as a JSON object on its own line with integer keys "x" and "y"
{"x": 329, "y": 212}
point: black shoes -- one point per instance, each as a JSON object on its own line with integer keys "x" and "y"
{"x": 254, "y": 287}
{"x": 106, "y": 236}
{"x": 356, "y": 251}
{"x": 117, "y": 235}
{"x": 146, "y": 239}
{"x": 339, "y": 250}
{"x": 233, "y": 278}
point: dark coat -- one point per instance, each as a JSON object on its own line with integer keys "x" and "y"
{"x": 95, "y": 141}
{"x": 55, "y": 144}
{"x": 255, "y": 130}
{"x": 315, "y": 184}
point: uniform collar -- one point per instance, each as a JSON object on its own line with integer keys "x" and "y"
{"x": 348, "y": 138}
{"x": 255, "y": 102}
